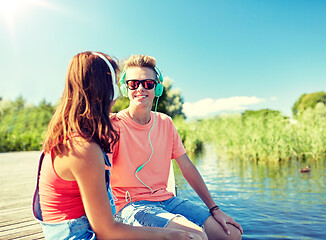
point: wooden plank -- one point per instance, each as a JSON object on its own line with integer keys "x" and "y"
{"x": 17, "y": 183}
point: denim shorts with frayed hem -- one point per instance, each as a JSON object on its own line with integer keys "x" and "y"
{"x": 159, "y": 214}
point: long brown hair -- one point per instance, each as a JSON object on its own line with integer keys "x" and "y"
{"x": 85, "y": 105}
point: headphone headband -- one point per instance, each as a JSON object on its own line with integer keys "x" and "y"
{"x": 159, "y": 74}
{"x": 113, "y": 76}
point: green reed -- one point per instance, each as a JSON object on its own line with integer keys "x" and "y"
{"x": 269, "y": 137}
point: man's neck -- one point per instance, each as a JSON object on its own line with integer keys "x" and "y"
{"x": 141, "y": 116}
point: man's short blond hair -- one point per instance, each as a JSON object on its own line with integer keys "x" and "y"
{"x": 140, "y": 61}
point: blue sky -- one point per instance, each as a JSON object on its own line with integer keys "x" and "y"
{"x": 224, "y": 56}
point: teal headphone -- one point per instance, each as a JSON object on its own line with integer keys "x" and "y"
{"x": 158, "y": 87}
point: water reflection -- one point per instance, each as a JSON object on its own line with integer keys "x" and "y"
{"x": 271, "y": 201}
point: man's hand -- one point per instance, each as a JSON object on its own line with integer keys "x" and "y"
{"x": 222, "y": 218}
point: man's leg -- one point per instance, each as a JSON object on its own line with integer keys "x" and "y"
{"x": 199, "y": 216}
{"x": 191, "y": 217}
{"x": 153, "y": 214}
{"x": 215, "y": 231}
{"x": 181, "y": 223}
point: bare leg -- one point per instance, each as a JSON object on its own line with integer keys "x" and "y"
{"x": 184, "y": 224}
{"x": 215, "y": 231}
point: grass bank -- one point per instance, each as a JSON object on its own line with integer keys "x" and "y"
{"x": 262, "y": 136}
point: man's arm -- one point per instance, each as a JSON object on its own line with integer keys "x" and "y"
{"x": 193, "y": 177}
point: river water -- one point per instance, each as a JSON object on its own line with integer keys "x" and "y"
{"x": 270, "y": 201}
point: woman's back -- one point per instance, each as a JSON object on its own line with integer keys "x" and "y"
{"x": 60, "y": 199}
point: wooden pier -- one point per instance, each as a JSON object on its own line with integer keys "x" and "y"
{"x": 17, "y": 182}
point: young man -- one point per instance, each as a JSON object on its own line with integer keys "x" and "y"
{"x": 141, "y": 162}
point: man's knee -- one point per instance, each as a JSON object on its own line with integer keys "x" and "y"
{"x": 182, "y": 223}
{"x": 235, "y": 233}
{"x": 214, "y": 230}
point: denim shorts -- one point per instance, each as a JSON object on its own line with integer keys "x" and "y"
{"x": 159, "y": 214}
{"x": 78, "y": 228}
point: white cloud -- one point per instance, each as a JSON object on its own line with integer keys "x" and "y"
{"x": 209, "y": 106}
{"x": 273, "y": 98}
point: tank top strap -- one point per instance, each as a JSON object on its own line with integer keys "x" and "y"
{"x": 106, "y": 159}
{"x": 112, "y": 198}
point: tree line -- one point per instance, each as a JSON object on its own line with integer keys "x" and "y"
{"x": 23, "y": 126}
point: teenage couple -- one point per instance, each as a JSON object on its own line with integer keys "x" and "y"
{"x": 80, "y": 195}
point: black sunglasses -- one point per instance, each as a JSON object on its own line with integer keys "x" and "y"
{"x": 147, "y": 84}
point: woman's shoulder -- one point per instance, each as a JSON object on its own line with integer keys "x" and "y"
{"x": 79, "y": 155}
{"x": 80, "y": 145}
{"x": 84, "y": 154}
{"x": 81, "y": 150}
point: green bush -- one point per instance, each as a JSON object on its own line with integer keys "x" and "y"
{"x": 23, "y": 127}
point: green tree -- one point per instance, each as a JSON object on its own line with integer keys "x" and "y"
{"x": 308, "y": 101}
{"x": 19, "y": 103}
{"x": 5, "y": 106}
{"x": 23, "y": 126}
{"x": 121, "y": 103}
{"x": 171, "y": 101}
{"x": 43, "y": 105}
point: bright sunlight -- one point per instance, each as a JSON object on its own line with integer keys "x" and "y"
{"x": 10, "y": 10}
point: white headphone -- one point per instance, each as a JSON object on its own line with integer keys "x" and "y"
{"x": 113, "y": 76}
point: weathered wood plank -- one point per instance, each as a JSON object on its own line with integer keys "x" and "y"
{"x": 17, "y": 183}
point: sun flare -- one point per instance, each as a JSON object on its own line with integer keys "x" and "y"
{"x": 11, "y": 10}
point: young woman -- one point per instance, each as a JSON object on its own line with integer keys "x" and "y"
{"x": 141, "y": 162}
{"x": 73, "y": 198}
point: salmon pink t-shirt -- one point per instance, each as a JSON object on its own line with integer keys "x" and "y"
{"x": 133, "y": 150}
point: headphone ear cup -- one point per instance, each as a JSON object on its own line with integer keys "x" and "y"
{"x": 124, "y": 90}
{"x": 123, "y": 87}
{"x": 158, "y": 90}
